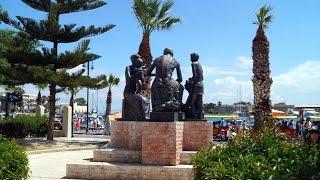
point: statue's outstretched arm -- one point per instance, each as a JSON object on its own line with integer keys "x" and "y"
{"x": 149, "y": 71}
{"x": 194, "y": 72}
{"x": 179, "y": 75}
{"x": 127, "y": 73}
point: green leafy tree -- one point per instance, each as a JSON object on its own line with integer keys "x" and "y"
{"x": 48, "y": 65}
{"x": 81, "y": 101}
{"x": 261, "y": 68}
{"x": 10, "y": 39}
{"x": 152, "y": 15}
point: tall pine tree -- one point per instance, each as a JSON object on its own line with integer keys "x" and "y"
{"x": 47, "y": 65}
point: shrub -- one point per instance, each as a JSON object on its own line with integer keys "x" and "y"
{"x": 265, "y": 156}
{"x": 13, "y": 160}
{"x": 21, "y": 126}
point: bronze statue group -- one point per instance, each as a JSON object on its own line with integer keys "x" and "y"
{"x": 166, "y": 92}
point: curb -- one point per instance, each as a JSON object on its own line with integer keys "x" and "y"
{"x": 61, "y": 150}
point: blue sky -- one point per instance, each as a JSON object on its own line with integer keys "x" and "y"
{"x": 221, "y": 32}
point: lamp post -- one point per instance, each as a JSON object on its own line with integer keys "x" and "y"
{"x": 88, "y": 74}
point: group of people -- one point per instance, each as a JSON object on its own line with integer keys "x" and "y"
{"x": 300, "y": 129}
{"x": 221, "y": 131}
{"x": 96, "y": 124}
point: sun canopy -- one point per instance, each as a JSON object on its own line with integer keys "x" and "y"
{"x": 277, "y": 113}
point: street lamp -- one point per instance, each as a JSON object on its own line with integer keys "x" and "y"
{"x": 88, "y": 74}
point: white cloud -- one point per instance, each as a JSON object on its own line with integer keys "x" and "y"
{"x": 244, "y": 63}
{"x": 240, "y": 67}
{"x": 304, "y": 78}
{"x": 301, "y": 81}
{"x": 229, "y": 90}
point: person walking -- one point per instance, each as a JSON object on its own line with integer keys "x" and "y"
{"x": 306, "y": 127}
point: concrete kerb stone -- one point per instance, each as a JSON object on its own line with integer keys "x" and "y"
{"x": 60, "y": 150}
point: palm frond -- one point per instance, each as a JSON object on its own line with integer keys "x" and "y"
{"x": 264, "y": 16}
{"x": 154, "y": 14}
{"x": 167, "y": 23}
{"x": 164, "y": 11}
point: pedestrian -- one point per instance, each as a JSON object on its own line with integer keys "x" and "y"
{"x": 95, "y": 124}
{"x": 78, "y": 125}
{"x": 298, "y": 129}
{"x": 306, "y": 127}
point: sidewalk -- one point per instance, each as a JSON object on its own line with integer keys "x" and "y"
{"x": 41, "y": 145}
{"x": 50, "y": 166}
{"x": 50, "y": 162}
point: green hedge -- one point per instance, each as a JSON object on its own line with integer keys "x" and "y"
{"x": 21, "y": 126}
{"x": 266, "y": 156}
{"x": 13, "y": 161}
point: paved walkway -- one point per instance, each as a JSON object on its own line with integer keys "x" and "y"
{"x": 41, "y": 145}
{"x": 51, "y": 163}
{"x": 51, "y": 166}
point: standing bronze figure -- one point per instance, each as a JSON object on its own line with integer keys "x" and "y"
{"x": 194, "y": 104}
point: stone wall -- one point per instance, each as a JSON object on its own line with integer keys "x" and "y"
{"x": 116, "y": 155}
{"x": 196, "y": 134}
{"x": 162, "y": 143}
{"x": 119, "y": 134}
{"x": 100, "y": 170}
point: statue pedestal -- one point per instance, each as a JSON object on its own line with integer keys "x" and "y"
{"x": 161, "y": 142}
{"x": 166, "y": 116}
{"x": 146, "y": 150}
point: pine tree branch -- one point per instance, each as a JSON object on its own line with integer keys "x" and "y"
{"x": 4, "y": 17}
{"x": 68, "y": 33}
{"x": 41, "y": 5}
{"x": 31, "y": 58}
{"x": 79, "y": 56}
{"x": 71, "y": 6}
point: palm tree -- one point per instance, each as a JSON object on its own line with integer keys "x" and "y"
{"x": 39, "y": 97}
{"x": 261, "y": 71}
{"x": 152, "y": 15}
{"x": 112, "y": 81}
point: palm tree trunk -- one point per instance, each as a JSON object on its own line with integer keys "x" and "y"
{"x": 71, "y": 104}
{"x": 145, "y": 53}
{"x": 39, "y": 99}
{"x": 108, "y": 111}
{"x": 52, "y": 110}
{"x": 261, "y": 78}
{"x": 109, "y": 101}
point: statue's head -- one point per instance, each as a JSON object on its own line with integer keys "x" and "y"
{"x": 138, "y": 63}
{"x": 194, "y": 57}
{"x": 136, "y": 60}
{"x": 167, "y": 51}
{"x": 134, "y": 57}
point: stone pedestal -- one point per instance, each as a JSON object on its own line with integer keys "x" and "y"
{"x": 146, "y": 150}
{"x": 162, "y": 143}
{"x": 166, "y": 116}
{"x": 196, "y": 134}
{"x": 126, "y": 135}
{"x": 66, "y": 121}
